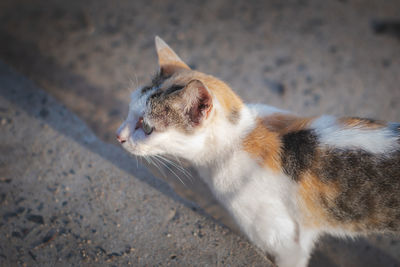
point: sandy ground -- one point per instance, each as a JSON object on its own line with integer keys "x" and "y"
{"x": 311, "y": 57}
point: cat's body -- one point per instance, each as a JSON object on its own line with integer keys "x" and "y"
{"x": 285, "y": 179}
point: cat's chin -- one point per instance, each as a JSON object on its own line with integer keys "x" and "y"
{"x": 140, "y": 152}
{"x": 131, "y": 150}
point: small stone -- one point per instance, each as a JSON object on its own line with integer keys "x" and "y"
{"x": 128, "y": 249}
{"x": 100, "y": 250}
{"x": 83, "y": 253}
{"x": 35, "y": 218}
{"x": 112, "y": 256}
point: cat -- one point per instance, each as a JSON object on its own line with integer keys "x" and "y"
{"x": 285, "y": 179}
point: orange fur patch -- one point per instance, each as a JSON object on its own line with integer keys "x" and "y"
{"x": 226, "y": 97}
{"x": 285, "y": 123}
{"x": 264, "y": 145}
{"x": 311, "y": 189}
{"x": 362, "y": 123}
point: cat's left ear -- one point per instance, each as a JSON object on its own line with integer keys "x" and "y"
{"x": 197, "y": 101}
{"x": 168, "y": 60}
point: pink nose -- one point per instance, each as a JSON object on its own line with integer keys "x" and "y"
{"x": 121, "y": 139}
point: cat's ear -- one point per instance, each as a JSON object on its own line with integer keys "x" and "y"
{"x": 197, "y": 101}
{"x": 168, "y": 60}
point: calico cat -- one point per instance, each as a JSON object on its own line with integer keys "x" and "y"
{"x": 285, "y": 179}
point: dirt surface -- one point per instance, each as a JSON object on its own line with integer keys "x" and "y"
{"x": 311, "y": 57}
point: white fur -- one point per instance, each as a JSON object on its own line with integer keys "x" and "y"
{"x": 262, "y": 204}
{"x": 371, "y": 140}
{"x": 264, "y": 110}
{"x": 260, "y": 200}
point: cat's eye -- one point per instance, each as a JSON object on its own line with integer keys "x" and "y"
{"x": 147, "y": 129}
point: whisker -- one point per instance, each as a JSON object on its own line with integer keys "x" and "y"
{"x": 166, "y": 165}
{"x": 159, "y": 167}
{"x": 179, "y": 163}
{"x": 178, "y": 167}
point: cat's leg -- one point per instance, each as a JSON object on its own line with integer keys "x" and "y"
{"x": 296, "y": 252}
{"x": 291, "y": 255}
{"x": 273, "y": 229}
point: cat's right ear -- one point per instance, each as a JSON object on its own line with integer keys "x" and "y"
{"x": 197, "y": 101}
{"x": 168, "y": 60}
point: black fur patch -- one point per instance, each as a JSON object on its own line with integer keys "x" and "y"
{"x": 172, "y": 89}
{"x": 162, "y": 94}
{"x": 155, "y": 95}
{"x": 299, "y": 149}
{"x": 159, "y": 78}
{"x": 369, "y": 187}
{"x": 156, "y": 82}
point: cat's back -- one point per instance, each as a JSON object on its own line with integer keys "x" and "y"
{"x": 347, "y": 169}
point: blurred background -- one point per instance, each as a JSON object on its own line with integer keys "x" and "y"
{"x": 340, "y": 57}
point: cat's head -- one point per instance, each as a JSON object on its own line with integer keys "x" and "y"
{"x": 180, "y": 112}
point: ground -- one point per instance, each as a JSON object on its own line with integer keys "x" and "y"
{"x": 311, "y": 57}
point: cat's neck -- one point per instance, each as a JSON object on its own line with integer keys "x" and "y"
{"x": 225, "y": 168}
{"x": 225, "y": 137}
